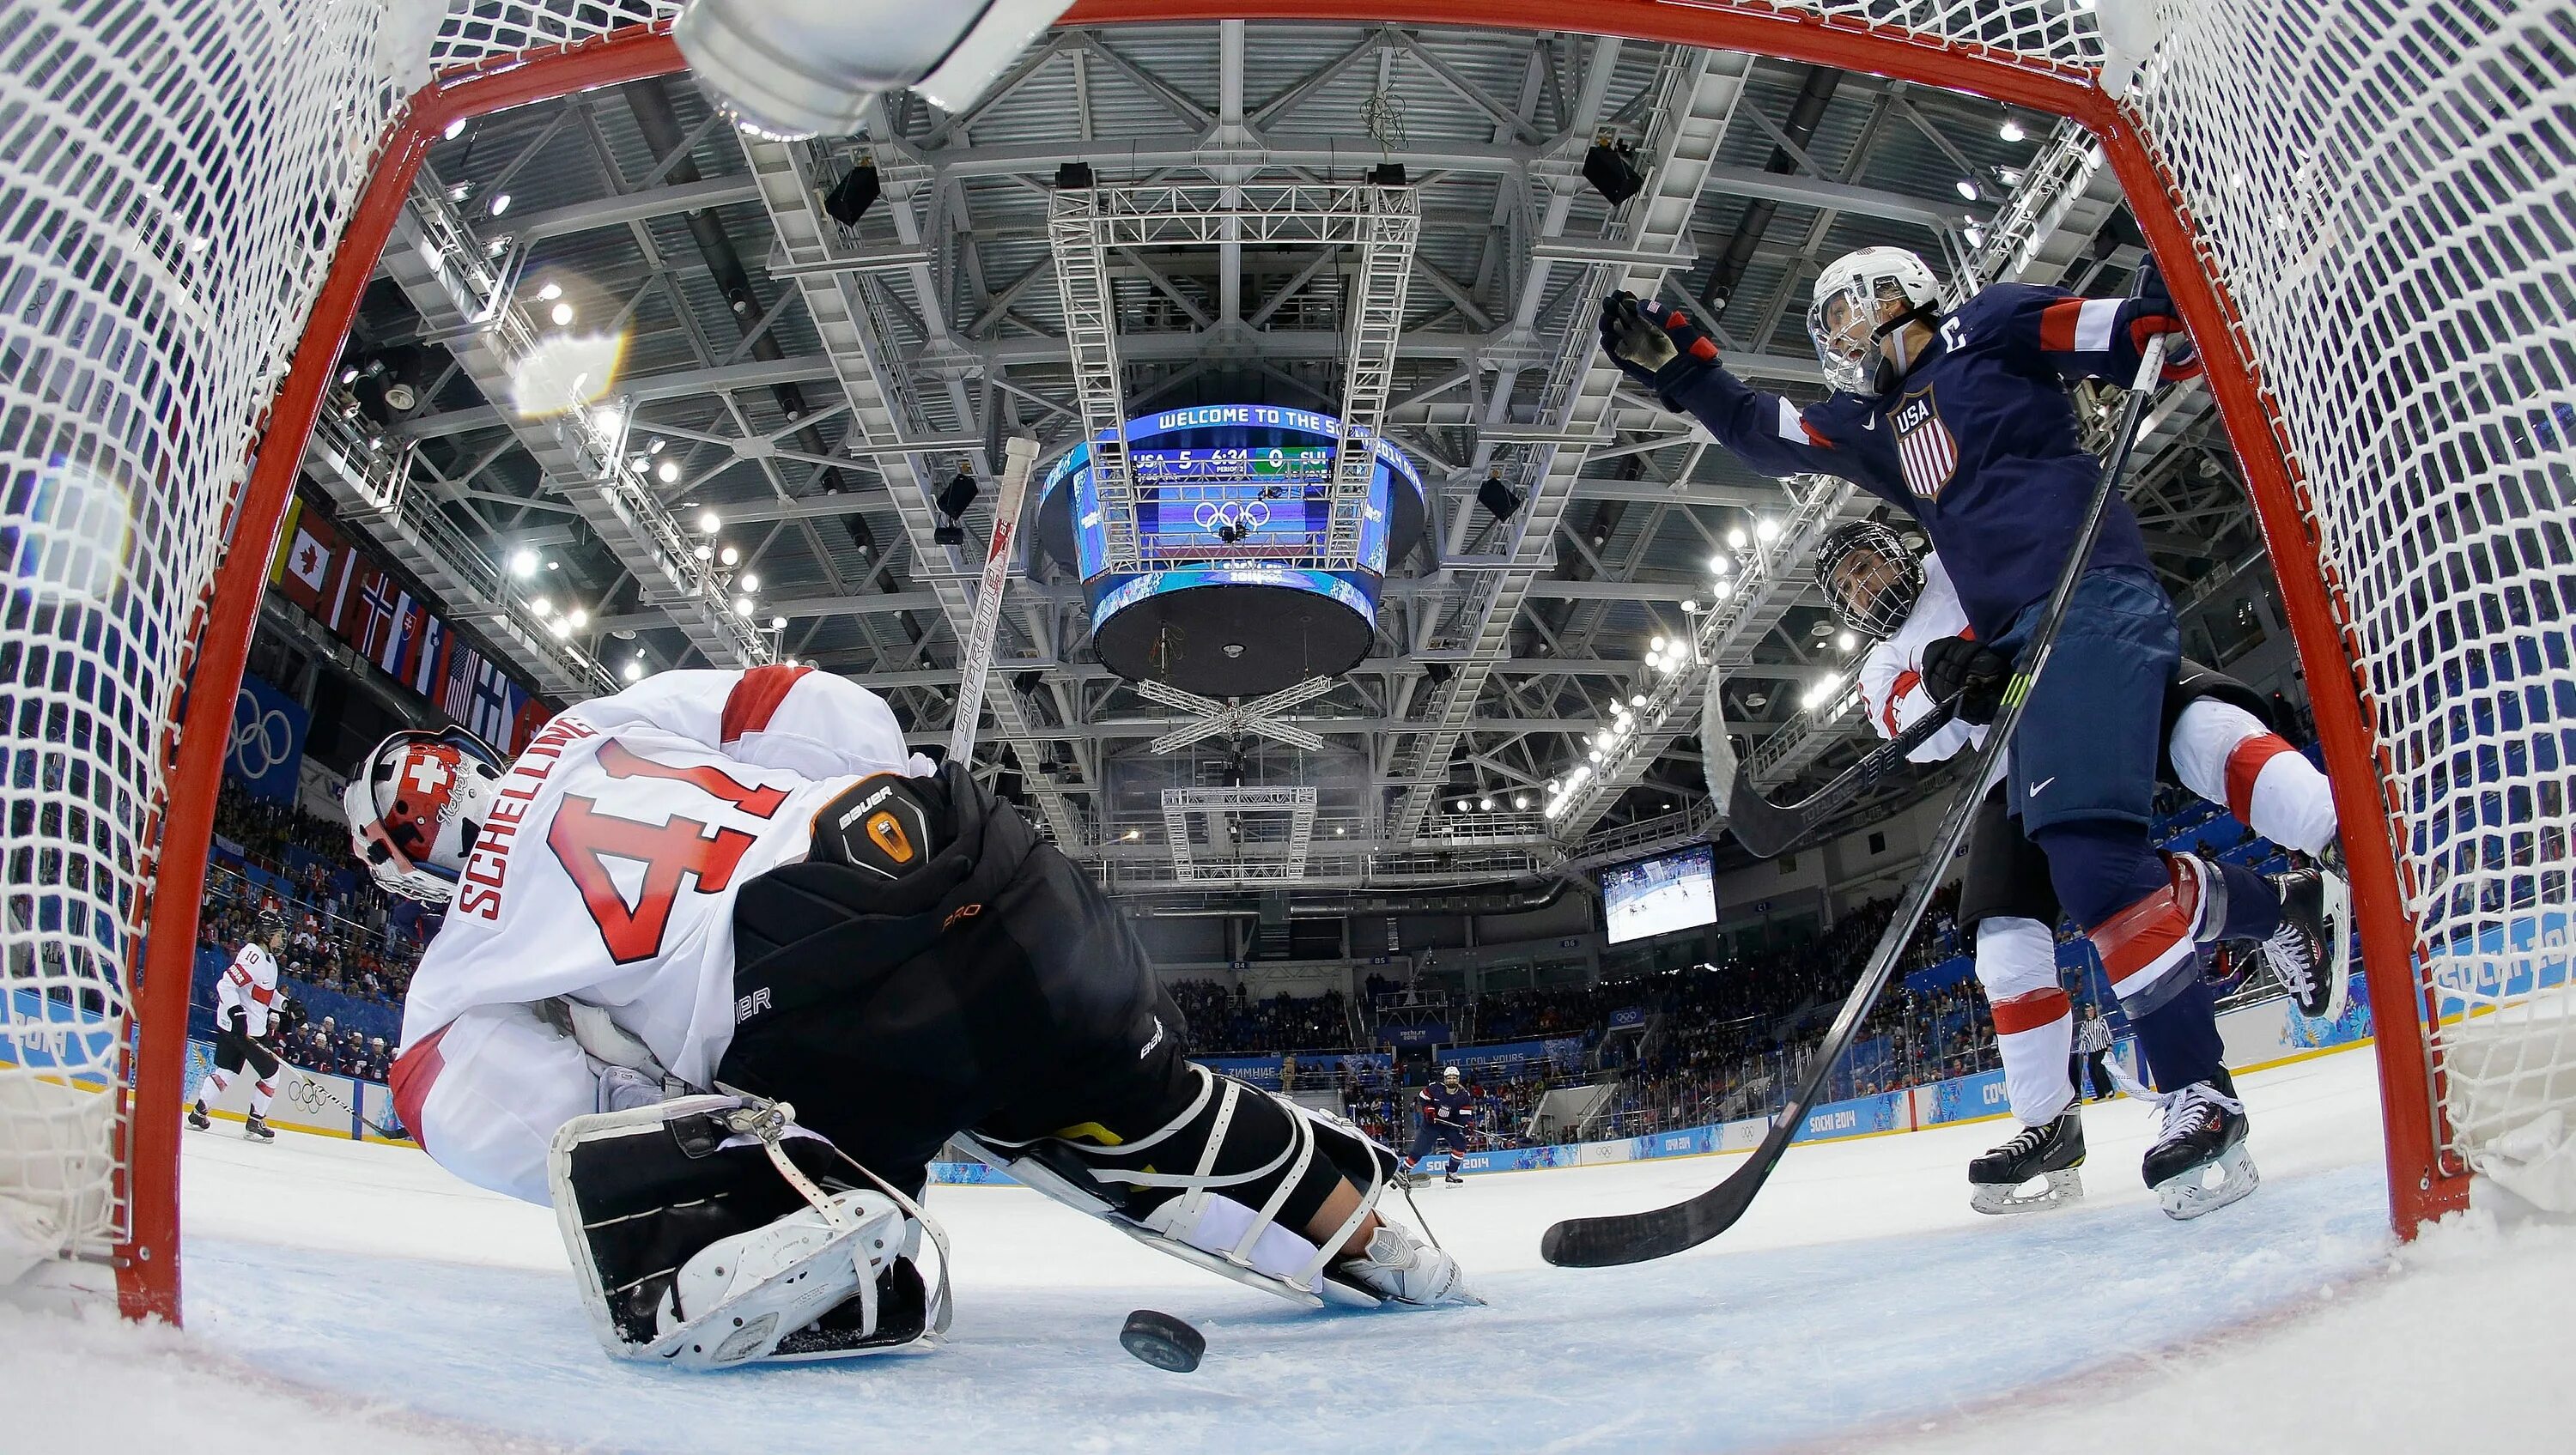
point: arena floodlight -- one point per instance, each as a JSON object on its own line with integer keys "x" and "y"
{"x": 790, "y": 69}
{"x": 1500, "y": 500}
{"x": 959, "y": 494}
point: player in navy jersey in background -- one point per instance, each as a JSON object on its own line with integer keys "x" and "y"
{"x": 1964, "y": 421}
{"x": 1447, "y": 1107}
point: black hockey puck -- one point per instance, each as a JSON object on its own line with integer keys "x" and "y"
{"x": 1162, "y": 1341}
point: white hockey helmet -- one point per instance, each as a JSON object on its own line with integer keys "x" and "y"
{"x": 1449, "y": 1075}
{"x": 416, "y": 805}
{"x": 1861, "y": 298}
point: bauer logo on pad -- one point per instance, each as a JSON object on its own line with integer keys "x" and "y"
{"x": 878, "y": 826}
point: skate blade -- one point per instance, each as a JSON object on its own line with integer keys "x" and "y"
{"x": 2189, "y": 1195}
{"x": 2057, "y": 1189}
{"x": 2338, "y": 962}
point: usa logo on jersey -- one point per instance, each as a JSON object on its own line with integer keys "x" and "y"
{"x": 1924, "y": 446}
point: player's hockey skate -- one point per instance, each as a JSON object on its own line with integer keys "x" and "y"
{"x": 197, "y": 1117}
{"x": 2307, "y": 952}
{"x": 256, "y": 1129}
{"x": 2050, "y": 1155}
{"x": 1450, "y": 1178}
{"x": 2204, "y": 1129}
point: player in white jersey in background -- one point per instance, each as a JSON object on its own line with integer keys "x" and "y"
{"x": 715, "y": 896}
{"x": 2215, "y": 744}
{"x": 245, "y": 999}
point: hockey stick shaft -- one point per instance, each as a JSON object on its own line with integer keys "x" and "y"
{"x": 1020, "y": 455}
{"x": 1601, "y": 1242}
{"x": 1771, "y": 829}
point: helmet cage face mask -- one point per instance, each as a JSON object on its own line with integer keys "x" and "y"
{"x": 1871, "y": 580}
{"x": 1847, "y": 323}
{"x": 416, "y": 845}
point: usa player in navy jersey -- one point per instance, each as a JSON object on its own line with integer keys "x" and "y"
{"x": 1964, "y": 421}
{"x": 1447, "y": 1110}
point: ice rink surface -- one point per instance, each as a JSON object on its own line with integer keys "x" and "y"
{"x": 363, "y": 1294}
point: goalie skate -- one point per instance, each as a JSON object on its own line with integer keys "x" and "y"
{"x": 2051, "y": 1156}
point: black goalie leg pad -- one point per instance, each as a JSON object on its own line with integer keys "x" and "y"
{"x": 703, "y": 1235}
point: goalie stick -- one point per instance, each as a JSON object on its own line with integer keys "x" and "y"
{"x": 1020, "y": 453}
{"x": 1619, "y": 1238}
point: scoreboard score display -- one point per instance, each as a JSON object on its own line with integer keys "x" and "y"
{"x": 1234, "y": 507}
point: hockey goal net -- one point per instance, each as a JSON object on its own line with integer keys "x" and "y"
{"x": 2363, "y": 209}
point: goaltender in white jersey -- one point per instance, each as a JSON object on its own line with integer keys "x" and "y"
{"x": 606, "y": 869}
{"x": 725, "y": 965}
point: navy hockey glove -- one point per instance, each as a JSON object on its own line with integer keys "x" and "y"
{"x": 2153, "y": 313}
{"x": 1955, "y": 668}
{"x": 1653, "y": 343}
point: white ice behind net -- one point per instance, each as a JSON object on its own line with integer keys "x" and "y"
{"x": 2386, "y": 189}
{"x": 173, "y": 177}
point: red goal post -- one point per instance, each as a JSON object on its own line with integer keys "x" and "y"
{"x": 2216, "y": 102}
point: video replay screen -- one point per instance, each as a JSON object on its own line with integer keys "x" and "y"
{"x": 1675, "y": 891}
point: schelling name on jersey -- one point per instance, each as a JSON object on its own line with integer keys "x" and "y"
{"x": 1924, "y": 446}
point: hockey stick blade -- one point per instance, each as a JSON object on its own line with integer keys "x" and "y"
{"x": 1770, "y": 829}
{"x": 1620, "y": 1238}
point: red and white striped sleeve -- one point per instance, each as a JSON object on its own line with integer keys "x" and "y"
{"x": 2081, "y": 338}
{"x": 795, "y": 718}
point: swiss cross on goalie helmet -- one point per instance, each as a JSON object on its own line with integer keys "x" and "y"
{"x": 416, "y": 805}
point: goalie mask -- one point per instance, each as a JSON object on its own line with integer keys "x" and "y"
{"x": 415, "y": 807}
{"x": 1863, "y": 302}
{"x": 796, "y": 68}
{"x": 1870, "y": 577}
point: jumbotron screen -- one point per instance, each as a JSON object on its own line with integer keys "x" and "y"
{"x": 1251, "y": 483}
{"x": 1675, "y": 891}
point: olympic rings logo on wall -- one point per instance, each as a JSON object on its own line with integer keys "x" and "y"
{"x": 261, "y": 740}
{"x": 305, "y": 1096}
{"x": 1236, "y": 516}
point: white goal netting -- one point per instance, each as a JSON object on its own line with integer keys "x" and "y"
{"x": 174, "y": 176}
{"x": 2386, "y": 189}
{"x": 2381, "y": 187}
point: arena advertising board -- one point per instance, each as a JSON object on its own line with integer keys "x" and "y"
{"x": 306, "y": 1101}
{"x": 1156, "y": 583}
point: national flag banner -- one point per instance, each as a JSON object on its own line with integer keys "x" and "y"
{"x": 348, "y": 619}
{"x": 488, "y": 717}
{"x": 527, "y": 722}
{"x": 367, "y": 619}
{"x": 310, "y": 558}
{"x": 402, "y": 623}
{"x": 456, "y": 693}
{"x": 423, "y": 661}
